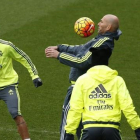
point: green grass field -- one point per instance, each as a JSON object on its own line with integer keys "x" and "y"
{"x": 34, "y": 25}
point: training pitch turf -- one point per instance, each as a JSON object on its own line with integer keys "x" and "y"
{"x": 32, "y": 26}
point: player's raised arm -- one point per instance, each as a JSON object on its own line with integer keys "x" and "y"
{"x": 25, "y": 60}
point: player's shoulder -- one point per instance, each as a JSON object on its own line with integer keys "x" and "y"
{"x": 120, "y": 79}
{"x": 83, "y": 78}
{"x": 6, "y": 43}
{"x": 102, "y": 39}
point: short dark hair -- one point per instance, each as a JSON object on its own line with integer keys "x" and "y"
{"x": 100, "y": 56}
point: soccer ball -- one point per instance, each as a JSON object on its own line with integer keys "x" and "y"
{"x": 84, "y": 27}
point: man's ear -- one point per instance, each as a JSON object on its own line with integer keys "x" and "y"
{"x": 109, "y": 27}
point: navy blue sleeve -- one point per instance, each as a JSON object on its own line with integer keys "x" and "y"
{"x": 81, "y": 61}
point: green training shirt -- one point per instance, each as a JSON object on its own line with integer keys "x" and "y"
{"x": 8, "y": 52}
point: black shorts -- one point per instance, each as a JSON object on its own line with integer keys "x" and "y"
{"x": 100, "y": 133}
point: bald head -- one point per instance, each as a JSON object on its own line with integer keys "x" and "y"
{"x": 109, "y": 23}
{"x": 113, "y": 21}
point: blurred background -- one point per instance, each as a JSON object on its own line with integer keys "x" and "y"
{"x": 32, "y": 26}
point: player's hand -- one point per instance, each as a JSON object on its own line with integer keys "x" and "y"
{"x": 137, "y": 132}
{"x": 51, "y": 52}
{"x": 69, "y": 137}
{"x": 52, "y": 47}
{"x": 37, "y": 82}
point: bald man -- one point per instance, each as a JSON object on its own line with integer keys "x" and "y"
{"x": 79, "y": 58}
{"x": 109, "y": 23}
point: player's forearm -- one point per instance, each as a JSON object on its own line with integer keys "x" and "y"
{"x": 24, "y": 59}
{"x": 72, "y": 49}
{"x": 73, "y": 121}
{"x": 75, "y": 62}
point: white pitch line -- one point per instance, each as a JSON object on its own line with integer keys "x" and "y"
{"x": 53, "y": 132}
{"x": 129, "y": 138}
{"x": 31, "y": 130}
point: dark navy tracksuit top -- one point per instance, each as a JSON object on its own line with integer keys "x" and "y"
{"x": 78, "y": 57}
